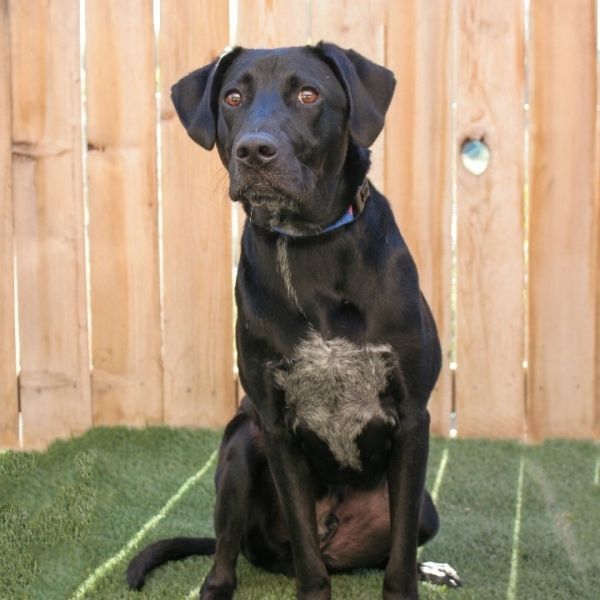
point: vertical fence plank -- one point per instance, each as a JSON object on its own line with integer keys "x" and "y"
{"x": 9, "y": 403}
{"x": 490, "y": 330}
{"x": 360, "y": 26}
{"x": 418, "y": 161}
{"x": 126, "y": 353}
{"x": 47, "y": 192}
{"x": 563, "y": 273}
{"x": 198, "y": 316}
{"x": 597, "y": 229}
{"x": 272, "y": 23}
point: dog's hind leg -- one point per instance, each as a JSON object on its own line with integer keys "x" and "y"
{"x": 429, "y": 522}
{"x": 232, "y": 483}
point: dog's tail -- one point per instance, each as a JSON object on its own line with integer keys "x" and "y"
{"x": 156, "y": 554}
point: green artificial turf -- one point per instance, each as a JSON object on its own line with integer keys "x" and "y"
{"x": 66, "y": 516}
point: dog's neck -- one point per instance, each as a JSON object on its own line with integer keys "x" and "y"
{"x": 352, "y": 213}
{"x": 356, "y": 186}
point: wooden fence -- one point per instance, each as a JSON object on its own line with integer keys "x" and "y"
{"x": 116, "y": 247}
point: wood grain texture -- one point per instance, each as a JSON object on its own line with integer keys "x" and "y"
{"x": 597, "y": 229}
{"x": 563, "y": 268}
{"x": 47, "y": 193}
{"x": 9, "y": 400}
{"x": 197, "y": 251}
{"x": 272, "y": 23}
{"x": 126, "y": 340}
{"x": 360, "y": 26}
{"x": 418, "y": 163}
{"x": 490, "y": 329}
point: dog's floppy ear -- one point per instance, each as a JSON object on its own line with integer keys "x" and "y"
{"x": 369, "y": 88}
{"x": 195, "y": 99}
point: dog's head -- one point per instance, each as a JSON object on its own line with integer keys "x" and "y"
{"x": 285, "y": 122}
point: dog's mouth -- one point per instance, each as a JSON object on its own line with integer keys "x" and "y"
{"x": 270, "y": 207}
{"x": 263, "y": 195}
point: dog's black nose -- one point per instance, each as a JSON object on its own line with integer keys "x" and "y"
{"x": 256, "y": 149}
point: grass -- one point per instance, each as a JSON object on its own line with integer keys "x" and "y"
{"x": 71, "y": 517}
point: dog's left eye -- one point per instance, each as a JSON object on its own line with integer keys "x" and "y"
{"x": 308, "y": 95}
{"x": 233, "y": 98}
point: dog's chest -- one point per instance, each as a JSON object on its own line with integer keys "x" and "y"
{"x": 332, "y": 387}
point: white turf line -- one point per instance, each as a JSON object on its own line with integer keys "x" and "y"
{"x": 440, "y": 476}
{"x": 597, "y": 472}
{"x": 437, "y": 484}
{"x": 193, "y": 595}
{"x": 511, "y": 592}
{"x": 114, "y": 560}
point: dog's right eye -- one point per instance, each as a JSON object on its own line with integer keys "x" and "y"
{"x": 233, "y": 98}
{"x": 308, "y": 95}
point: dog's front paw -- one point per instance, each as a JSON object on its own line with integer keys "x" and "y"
{"x": 389, "y": 595}
{"x": 313, "y": 588}
{"x": 216, "y": 590}
{"x": 212, "y": 592}
{"x": 439, "y": 574}
{"x": 405, "y": 589}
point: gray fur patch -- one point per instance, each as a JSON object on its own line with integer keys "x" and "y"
{"x": 332, "y": 388}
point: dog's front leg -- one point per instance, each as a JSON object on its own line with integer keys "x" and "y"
{"x": 294, "y": 486}
{"x": 292, "y": 477}
{"x": 233, "y": 489}
{"x": 406, "y": 481}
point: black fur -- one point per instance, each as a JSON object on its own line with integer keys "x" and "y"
{"x": 283, "y": 500}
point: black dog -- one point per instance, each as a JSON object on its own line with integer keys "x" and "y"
{"x": 323, "y": 467}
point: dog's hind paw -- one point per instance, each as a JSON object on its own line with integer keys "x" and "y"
{"x": 439, "y": 574}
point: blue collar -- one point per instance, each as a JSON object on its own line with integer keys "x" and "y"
{"x": 354, "y": 211}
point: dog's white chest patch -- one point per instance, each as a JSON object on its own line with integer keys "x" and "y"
{"x": 332, "y": 387}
